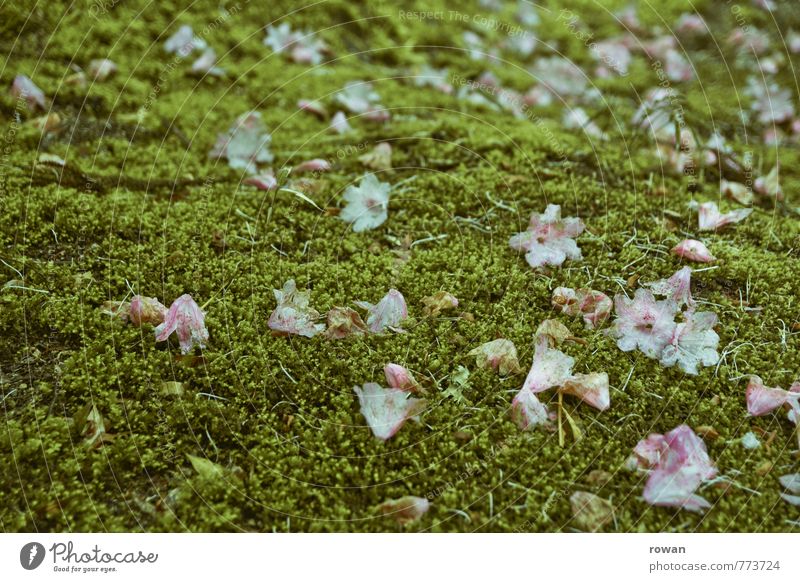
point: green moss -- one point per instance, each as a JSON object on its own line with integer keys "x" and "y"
{"x": 278, "y": 414}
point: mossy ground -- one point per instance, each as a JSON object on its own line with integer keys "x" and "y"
{"x": 279, "y": 414}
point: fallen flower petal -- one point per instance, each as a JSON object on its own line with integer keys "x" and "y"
{"x": 770, "y": 185}
{"x": 550, "y": 368}
{"x": 438, "y": 302}
{"x": 676, "y": 289}
{"x": 25, "y": 89}
{"x": 693, "y": 250}
{"x": 264, "y": 181}
{"x": 591, "y": 388}
{"x": 367, "y": 204}
{"x": 146, "y": 310}
{"x": 293, "y": 314}
{"x": 399, "y": 377}
{"x": 644, "y": 323}
{"x": 102, "y": 69}
{"x": 344, "y": 322}
{"x": 739, "y": 192}
{"x": 387, "y": 409}
{"x": 358, "y": 97}
{"x": 313, "y": 107}
{"x": 315, "y": 165}
{"x": 186, "y": 319}
{"x": 246, "y": 143}
{"x": 499, "y": 355}
{"x": 405, "y": 510}
{"x": 388, "y": 313}
{"x": 549, "y": 239}
{"x": 339, "y": 123}
{"x": 183, "y": 42}
{"x": 553, "y": 331}
{"x": 527, "y": 411}
{"x": 710, "y": 218}
{"x": 693, "y": 343}
{"x": 594, "y": 306}
{"x": 762, "y": 399}
{"x": 681, "y": 464}
{"x": 380, "y": 158}
{"x": 206, "y": 64}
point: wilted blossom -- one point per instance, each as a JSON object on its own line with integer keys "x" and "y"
{"x": 24, "y": 88}
{"x": 770, "y": 185}
{"x": 679, "y": 464}
{"x": 710, "y": 218}
{"x": 438, "y": 302}
{"x": 388, "y": 313}
{"x": 736, "y": 190}
{"x": 102, "y": 69}
{"x": 549, "y": 238}
{"x": 594, "y": 306}
{"x": 206, "y": 64}
{"x": 293, "y": 315}
{"x": 644, "y": 323}
{"x": 246, "y": 143}
{"x": 762, "y": 399}
{"x": 380, "y": 158}
{"x": 399, "y": 377}
{"x": 693, "y": 250}
{"x": 339, "y": 123}
{"x": 358, "y": 97}
{"x": 344, "y": 322}
{"x": 315, "y": 165}
{"x": 553, "y": 368}
{"x": 678, "y": 288}
{"x": 387, "y": 409}
{"x": 146, "y": 310}
{"x": 183, "y": 42}
{"x": 694, "y": 342}
{"x": 404, "y": 510}
{"x": 367, "y": 204}
{"x": 264, "y": 180}
{"x": 499, "y": 355}
{"x": 186, "y": 319}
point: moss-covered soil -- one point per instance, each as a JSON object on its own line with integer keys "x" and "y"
{"x": 279, "y": 414}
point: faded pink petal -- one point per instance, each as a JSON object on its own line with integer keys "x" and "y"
{"x": 500, "y": 355}
{"x": 677, "y": 288}
{"x": 693, "y": 250}
{"x": 591, "y": 388}
{"x": 293, "y": 315}
{"x": 680, "y": 464}
{"x": 387, "y": 409}
{"x": 146, "y": 310}
{"x": 709, "y": 217}
{"x": 183, "y": 42}
{"x": 550, "y": 368}
{"x": 206, "y": 64}
{"x": 406, "y": 509}
{"x": 762, "y": 399}
{"x": 769, "y": 185}
{"x": 399, "y": 377}
{"x": 527, "y": 411}
{"x": 358, "y": 97}
{"x": 594, "y": 306}
{"x": 186, "y": 319}
{"x": 245, "y": 145}
{"x": 644, "y": 323}
{"x": 377, "y": 115}
{"x": 315, "y": 165}
{"x": 102, "y": 69}
{"x": 367, "y": 204}
{"x": 388, "y": 313}
{"x": 339, "y": 123}
{"x": 24, "y": 88}
{"x": 265, "y": 180}
{"x": 344, "y": 322}
{"x": 380, "y": 158}
{"x": 694, "y": 343}
{"x": 549, "y": 238}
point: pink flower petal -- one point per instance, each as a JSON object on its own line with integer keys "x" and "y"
{"x": 102, "y": 69}
{"x": 315, "y": 165}
{"x": 693, "y": 250}
{"x": 387, "y": 409}
{"x": 710, "y": 218}
{"x": 264, "y": 181}
{"x": 293, "y": 315}
{"x": 245, "y": 145}
{"x": 406, "y": 509}
{"x": 146, "y": 310}
{"x": 644, "y": 323}
{"x": 25, "y": 89}
{"x": 388, "y": 313}
{"x": 527, "y": 411}
{"x": 550, "y": 368}
{"x": 399, "y": 377}
{"x": 186, "y": 319}
{"x": 313, "y": 107}
{"x": 549, "y": 238}
{"x": 677, "y": 288}
{"x": 762, "y": 399}
{"x": 594, "y": 306}
{"x": 693, "y": 343}
{"x": 591, "y": 388}
{"x": 339, "y": 123}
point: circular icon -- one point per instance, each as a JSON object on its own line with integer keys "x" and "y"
{"x": 31, "y": 555}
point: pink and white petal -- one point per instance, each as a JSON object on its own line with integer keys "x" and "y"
{"x": 387, "y": 410}
{"x": 591, "y": 388}
{"x": 527, "y": 411}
